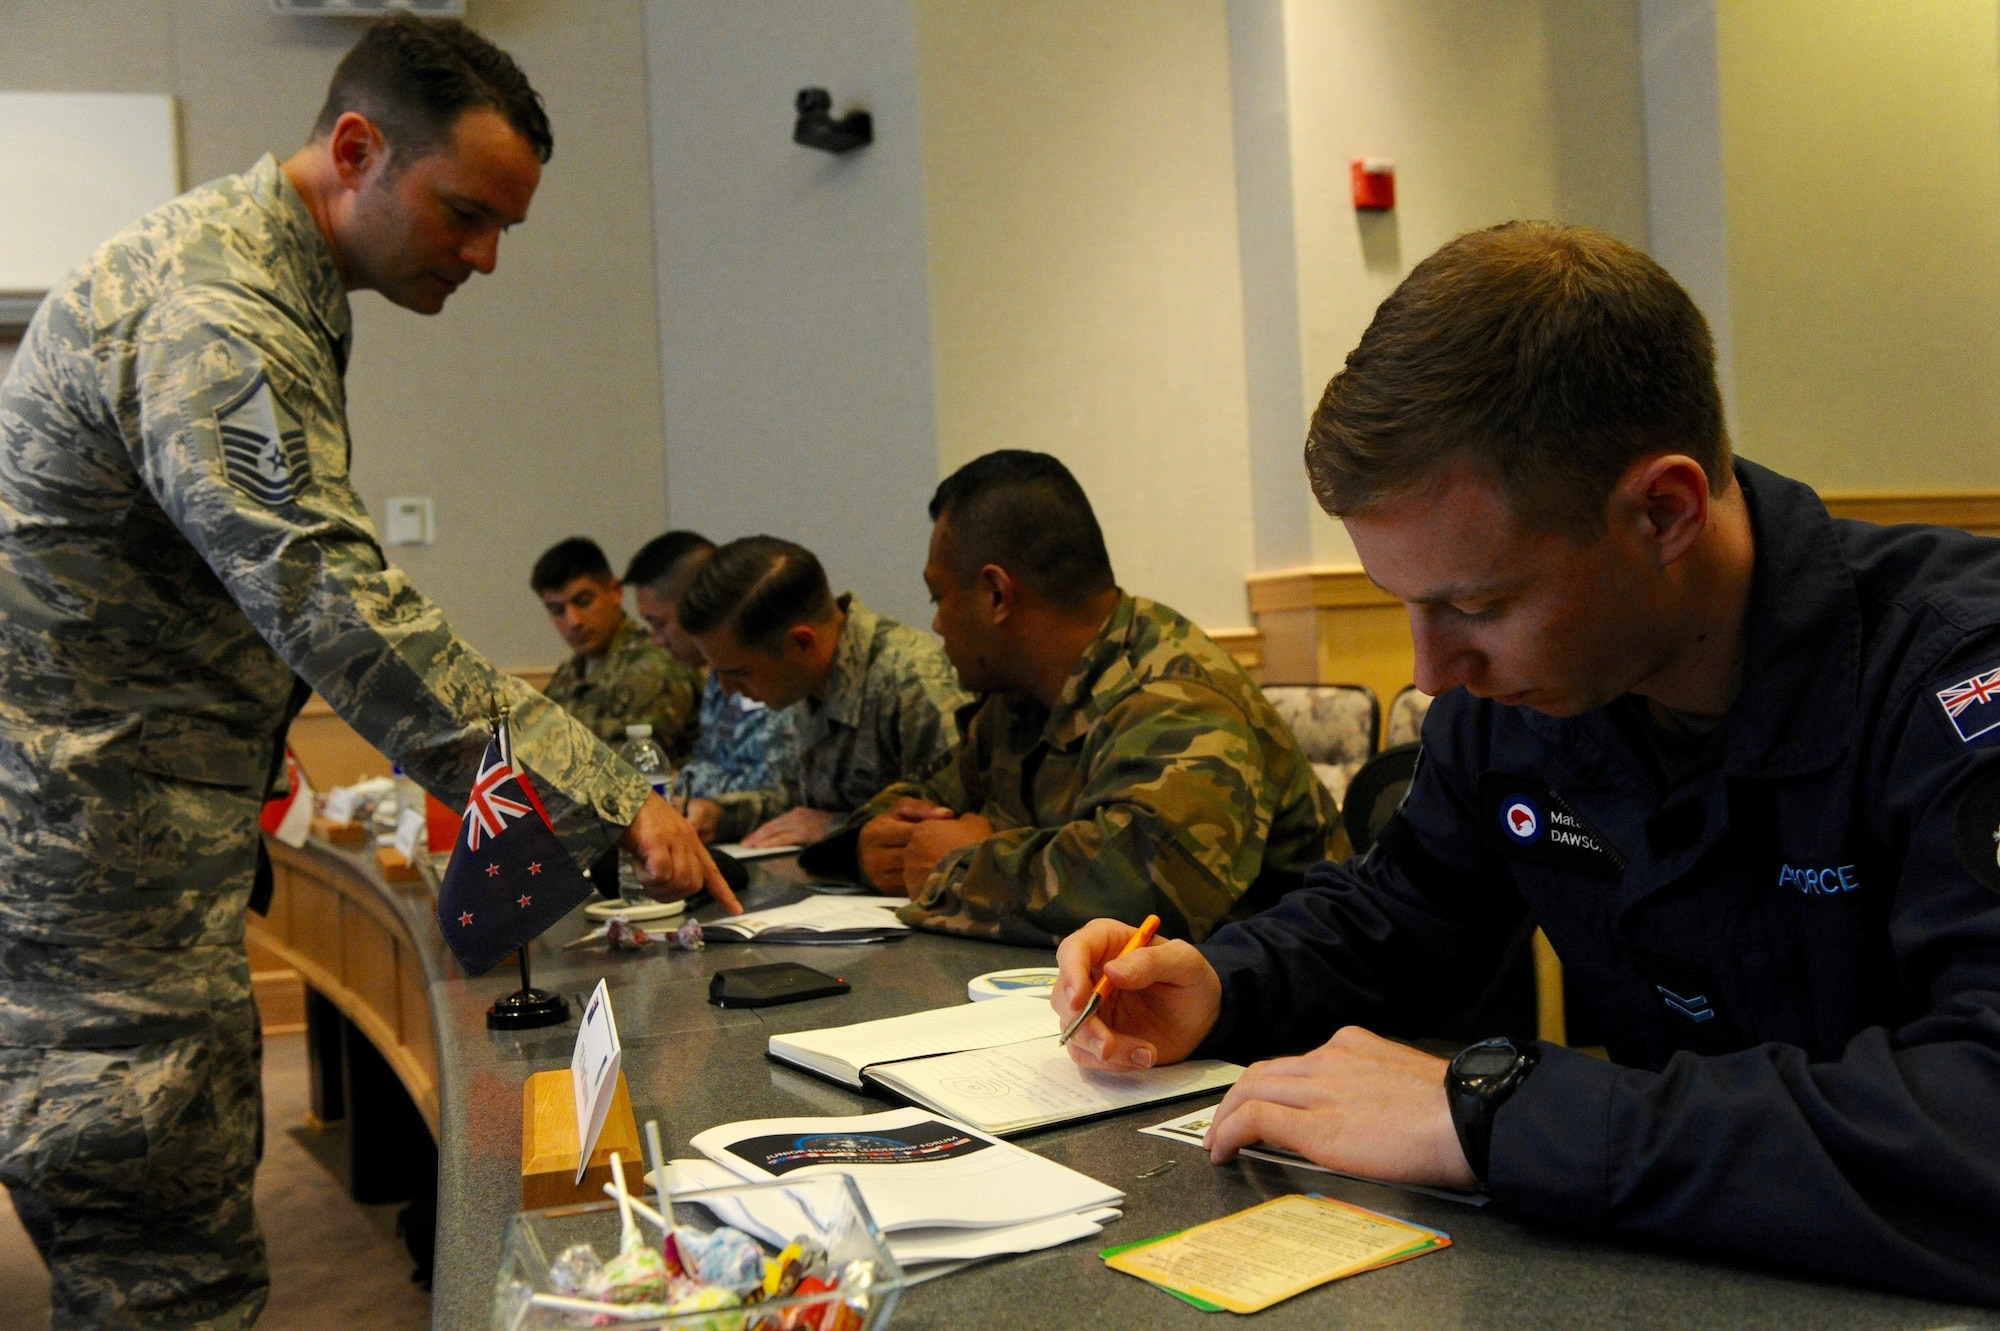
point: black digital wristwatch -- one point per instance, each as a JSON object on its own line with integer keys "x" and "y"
{"x": 1477, "y": 1084}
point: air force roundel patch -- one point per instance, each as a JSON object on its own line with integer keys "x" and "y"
{"x": 1526, "y": 821}
{"x": 263, "y": 447}
{"x": 1973, "y": 705}
{"x": 1521, "y": 820}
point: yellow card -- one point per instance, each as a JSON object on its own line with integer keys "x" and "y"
{"x": 1248, "y": 1261}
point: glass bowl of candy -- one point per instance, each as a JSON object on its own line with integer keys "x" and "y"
{"x": 799, "y": 1255}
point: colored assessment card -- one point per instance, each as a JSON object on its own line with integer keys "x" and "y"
{"x": 1248, "y": 1261}
{"x": 593, "y": 1073}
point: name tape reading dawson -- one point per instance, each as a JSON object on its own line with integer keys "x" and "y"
{"x": 1527, "y": 822}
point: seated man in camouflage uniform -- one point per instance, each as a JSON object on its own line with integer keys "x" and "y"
{"x": 879, "y": 700}
{"x": 1120, "y": 764}
{"x": 618, "y": 676}
{"x": 740, "y": 744}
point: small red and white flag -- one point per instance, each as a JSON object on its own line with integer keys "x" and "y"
{"x": 289, "y": 817}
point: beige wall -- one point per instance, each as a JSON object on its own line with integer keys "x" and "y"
{"x": 1861, "y": 149}
{"x": 1491, "y": 110}
{"x": 531, "y": 408}
{"x": 1085, "y": 289}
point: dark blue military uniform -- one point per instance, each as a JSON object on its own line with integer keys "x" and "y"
{"x": 1789, "y": 942}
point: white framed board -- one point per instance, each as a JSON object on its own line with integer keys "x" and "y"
{"x": 75, "y": 168}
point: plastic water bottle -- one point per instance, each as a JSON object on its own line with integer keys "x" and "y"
{"x": 642, "y": 753}
{"x": 409, "y": 795}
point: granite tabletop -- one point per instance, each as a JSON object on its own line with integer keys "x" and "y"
{"x": 692, "y": 1066}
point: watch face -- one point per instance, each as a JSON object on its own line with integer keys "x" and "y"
{"x": 1485, "y": 1062}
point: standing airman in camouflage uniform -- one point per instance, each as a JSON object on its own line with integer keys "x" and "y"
{"x": 880, "y": 700}
{"x": 1122, "y": 763}
{"x": 178, "y": 537}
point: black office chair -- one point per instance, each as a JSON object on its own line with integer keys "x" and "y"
{"x": 1374, "y": 792}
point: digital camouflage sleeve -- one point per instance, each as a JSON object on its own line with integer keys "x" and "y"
{"x": 179, "y": 539}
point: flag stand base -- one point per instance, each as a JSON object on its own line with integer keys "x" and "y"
{"x": 527, "y": 1007}
{"x": 526, "y": 1010}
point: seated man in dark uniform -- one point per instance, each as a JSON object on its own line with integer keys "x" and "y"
{"x": 1120, "y": 762}
{"x": 1741, "y": 761}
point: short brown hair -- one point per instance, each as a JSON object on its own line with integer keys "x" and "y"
{"x": 414, "y": 77}
{"x": 1549, "y": 357}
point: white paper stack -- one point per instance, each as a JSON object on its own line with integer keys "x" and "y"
{"x": 817, "y": 919}
{"x": 939, "y": 1191}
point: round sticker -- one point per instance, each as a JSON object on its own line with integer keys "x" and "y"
{"x": 1521, "y": 820}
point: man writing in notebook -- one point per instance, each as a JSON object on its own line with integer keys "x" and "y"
{"x": 1740, "y": 760}
{"x": 878, "y": 700}
{"x": 1121, "y": 762}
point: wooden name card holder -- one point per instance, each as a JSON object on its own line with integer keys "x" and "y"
{"x": 339, "y": 834}
{"x": 549, "y": 1143}
{"x": 395, "y": 866}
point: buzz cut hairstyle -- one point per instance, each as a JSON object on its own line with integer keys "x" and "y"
{"x": 414, "y": 77}
{"x": 566, "y": 561}
{"x": 760, "y": 586}
{"x": 1547, "y": 357}
{"x": 665, "y": 558}
{"x": 1024, "y": 512}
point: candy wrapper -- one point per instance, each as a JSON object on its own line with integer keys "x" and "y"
{"x": 726, "y": 1257}
{"x": 575, "y": 1269}
{"x": 688, "y": 936}
{"x": 638, "y": 1276}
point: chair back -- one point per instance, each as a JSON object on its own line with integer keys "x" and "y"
{"x": 1406, "y": 717}
{"x": 1338, "y": 726}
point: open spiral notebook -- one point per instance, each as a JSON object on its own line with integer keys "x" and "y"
{"x": 993, "y": 1065}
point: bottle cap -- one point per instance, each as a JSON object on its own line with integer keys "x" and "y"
{"x": 640, "y": 731}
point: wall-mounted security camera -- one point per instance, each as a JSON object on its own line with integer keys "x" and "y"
{"x": 817, "y": 128}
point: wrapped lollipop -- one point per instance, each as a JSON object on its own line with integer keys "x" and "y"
{"x": 575, "y": 1269}
{"x": 638, "y": 1274}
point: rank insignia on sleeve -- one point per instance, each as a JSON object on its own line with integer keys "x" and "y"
{"x": 1973, "y": 705}
{"x": 263, "y": 448}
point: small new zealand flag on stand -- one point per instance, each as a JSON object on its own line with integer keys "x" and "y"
{"x": 509, "y": 878}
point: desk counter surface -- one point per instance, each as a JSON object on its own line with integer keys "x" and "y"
{"x": 692, "y": 1066}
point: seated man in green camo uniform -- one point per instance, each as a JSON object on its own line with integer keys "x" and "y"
{"x": 618, "y": 676}
{"x": 877, "y": 699}
{"x": 1121, "y": 763}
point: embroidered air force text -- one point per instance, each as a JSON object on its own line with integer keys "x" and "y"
{"x": 1525, "y": 823}
{"x": 1828, "y": 882}
{"x": 263, "y": 448}
{"x": 1973, "y": 705}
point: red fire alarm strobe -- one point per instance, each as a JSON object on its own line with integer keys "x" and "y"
{"x": 1374, "y": 184}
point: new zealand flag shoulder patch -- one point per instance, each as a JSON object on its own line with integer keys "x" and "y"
{"x": 263, "y": 447}
{"x": 1972, "y": 706}
{"x": 1524, "y": 820}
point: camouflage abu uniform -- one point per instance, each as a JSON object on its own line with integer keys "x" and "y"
{"x": 743, "y": 744}
{"x": 177, "y": 537}
{"x": 1162, "y": 782}
{"x": 635, "y": 682}
{"x": 888, "y": 715}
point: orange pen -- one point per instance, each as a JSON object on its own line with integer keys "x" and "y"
{"x": 1149, "y": 927}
